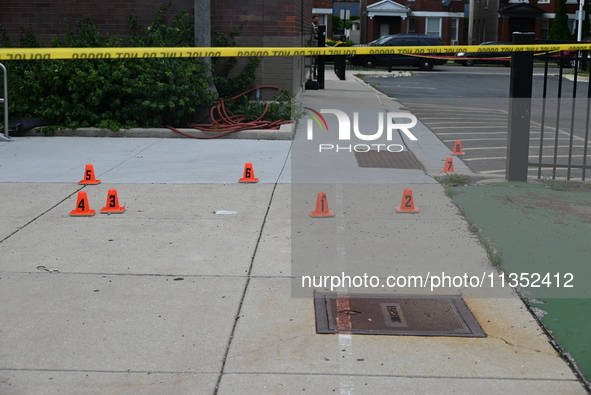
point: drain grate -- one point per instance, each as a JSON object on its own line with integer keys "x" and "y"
{"x": 418, "y": 315}
{"x": 388, "y": 160}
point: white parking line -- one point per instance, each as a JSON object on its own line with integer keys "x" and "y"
{"x": 463, "y": 133}
{"x": 492, "y": 171}
{"x": 454, "y": 109}
{"x": 476, "y": 117}
{"x": 413, "y": 87}
{"x": 530, "y": 156}
{"x": 483, "y": 139}
{"x": 464, "y": 120}
{"x": 469, "y": 127}
{"x": 560, "y": 131}
{"x": 505, "y": 147}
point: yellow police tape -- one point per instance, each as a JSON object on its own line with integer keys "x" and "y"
{"x": 198, "y": 52}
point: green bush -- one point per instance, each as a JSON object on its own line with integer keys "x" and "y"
{"x": 113, "y": 93}
{"x": 229, "y": 84}
{"x": 281, "y": 108}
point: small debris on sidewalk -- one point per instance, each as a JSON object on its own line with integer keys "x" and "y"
{"x": 47, "y": 270}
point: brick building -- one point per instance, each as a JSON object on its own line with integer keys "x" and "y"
{"x": 277, "y": 23}
{"x": 323, "y": 8}
{"x": 442, "y": 18}
{"x": 484, "y": 21}
{"x": 536, "y": 16}
{"x": 487, "y": 20}
{"x": 496, "y": 20}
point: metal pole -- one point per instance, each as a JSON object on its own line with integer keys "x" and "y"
{"x": 321, "y": 58}
{"x": 580, "y": 18}
{"x": 522, "y": 64}
{"x": 6, "y": 136}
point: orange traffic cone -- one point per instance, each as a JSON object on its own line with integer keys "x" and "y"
{"x": 89, "y": 176}
{"x": 82, "y": 206}
{"x": 112, "y": 205}
{"x": 322, "y": 207}
{"x": 458, "y": 148}
{"x": 248, "y": 174}
{"x": 408, "y": 204}
{"x": 449, "y": 165}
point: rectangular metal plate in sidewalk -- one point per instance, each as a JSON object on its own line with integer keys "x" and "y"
{"x": 388, "y": 160}
{"x": 415, "y": 315}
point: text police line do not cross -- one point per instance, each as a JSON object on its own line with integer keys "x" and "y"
{"x": 344, "y": 132}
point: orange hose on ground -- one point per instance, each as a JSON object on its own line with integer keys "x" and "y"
{"x": 224, "y": 122}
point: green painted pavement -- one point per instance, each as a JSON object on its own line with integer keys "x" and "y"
{"x": 544, "y": 237}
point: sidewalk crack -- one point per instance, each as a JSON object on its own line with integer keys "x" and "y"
{"x": 42, "y": 214}
{"x": 248, "y": 278}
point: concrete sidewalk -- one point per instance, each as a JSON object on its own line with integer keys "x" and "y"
{"x": 171, "y": 298}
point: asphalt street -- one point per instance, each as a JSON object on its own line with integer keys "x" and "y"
{"x": 471, "y": 104}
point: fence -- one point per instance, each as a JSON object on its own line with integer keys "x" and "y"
{"x": 5, "y": 136}
{"x": 549, "y": 126}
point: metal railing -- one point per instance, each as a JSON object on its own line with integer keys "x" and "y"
{"x": 4, "y": 100}
{"x": 549, "y": 130}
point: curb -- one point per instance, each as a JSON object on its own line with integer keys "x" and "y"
{"x": 285, "y": 132}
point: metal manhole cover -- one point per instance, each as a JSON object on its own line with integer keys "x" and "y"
{"x": 418, "y": 315}
{"x": 388, "y": 160}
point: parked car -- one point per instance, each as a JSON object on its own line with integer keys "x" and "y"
{"x": 399, "y": 40}
{"x": 489, "y": 57}
{"x": 568, "y": 57}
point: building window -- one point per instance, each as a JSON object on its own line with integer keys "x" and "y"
{"x": 571, "y": 25}
{"x": 544, "y": 29}
{"x": 412, "y": 25}
{"x": 454, "y": 31}
{"x": 433, "y": 27}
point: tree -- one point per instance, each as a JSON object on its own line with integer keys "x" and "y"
{"x": 586, "y": 23}
{"x": 560, "y": 30}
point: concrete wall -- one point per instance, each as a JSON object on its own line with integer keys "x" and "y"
{"x": 269, "y": 23}
{"x": 46, "y": 18}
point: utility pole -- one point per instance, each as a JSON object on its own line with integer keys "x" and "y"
{"x": 202, "y": 19}
{"x": 471, "y": 40}
{"x": 580, "y": 18}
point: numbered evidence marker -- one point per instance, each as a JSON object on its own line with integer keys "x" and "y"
{"x": 82, "y": 206}
{"x": 89, "y": 177}
{"x": 408, "y": 204}
{"x": 322, "y": 210}
{"x": 112, "y": 205}
{"x": 449, "y": 165}
{"x": 458, "y": 148}
{"x": 248, "y": 174}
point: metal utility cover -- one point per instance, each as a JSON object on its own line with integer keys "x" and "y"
{"x": 373, "y": 314}
{"x": 388, "y": 160}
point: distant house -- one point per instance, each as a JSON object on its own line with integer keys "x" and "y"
{"x": 535, "y": 16}
{"x": 494, "y": 20}
{"x": 441, "y": 18}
